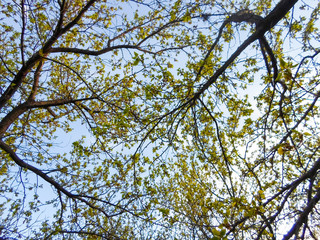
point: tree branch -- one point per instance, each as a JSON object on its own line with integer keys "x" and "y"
{"x": 303, "y": 216}
{"x": 20, "y": 76}
{"x": 20, "y": 109}
{"x": 38, "y": 172}
{"x": 48, "y": 179}
{"x": 36, "y": 81}
{"x": 22, "y": 32}
{"x": 98, "y": 52}
{"x": 269, "y": 21}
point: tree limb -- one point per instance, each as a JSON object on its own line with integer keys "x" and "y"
{"x": 268, "y": 22}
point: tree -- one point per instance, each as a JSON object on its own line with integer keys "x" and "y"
{"x": 196, "y": 119}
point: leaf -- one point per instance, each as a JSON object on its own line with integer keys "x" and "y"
{"x": 186, "y": 17}
{"x": 164, "y": 211}
{"x": 280, "y": 150}
{"x": 283, "y": 64}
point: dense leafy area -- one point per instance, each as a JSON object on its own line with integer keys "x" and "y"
{"x": 194, "y": 119}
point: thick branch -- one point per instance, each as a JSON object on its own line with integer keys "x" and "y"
{"x": 36, "y": 81}
{"x": 11, "y": 117}
{"x": 309, "y": 174}
{"x": 264, "y": 44}
{"x": 36, "y": 57}
{"x": 75, "y": 20}
{"x": 57, "y": 102}
{"x": 303, "y": 216}
{"x": 15, "y": 84}
{"x": 17, "y": 111}
{"x": 98, "y": 52}
{"x": 63, "y": 8}
{"x": 241, "y": 16}
{"x": 269, "y": 21}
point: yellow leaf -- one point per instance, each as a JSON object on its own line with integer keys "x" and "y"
{"x": 280, "y": 150}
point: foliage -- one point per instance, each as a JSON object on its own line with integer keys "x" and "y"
{"x": 193, "y": 119}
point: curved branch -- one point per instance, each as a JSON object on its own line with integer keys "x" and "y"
{"x": 35, "y": 170}
{"x": 268, "y": 22}
{"x": 36, "y": 81}
{"x": 264, "y": 44}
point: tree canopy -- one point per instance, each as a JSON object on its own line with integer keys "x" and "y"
{"x": 191, "y": 119}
